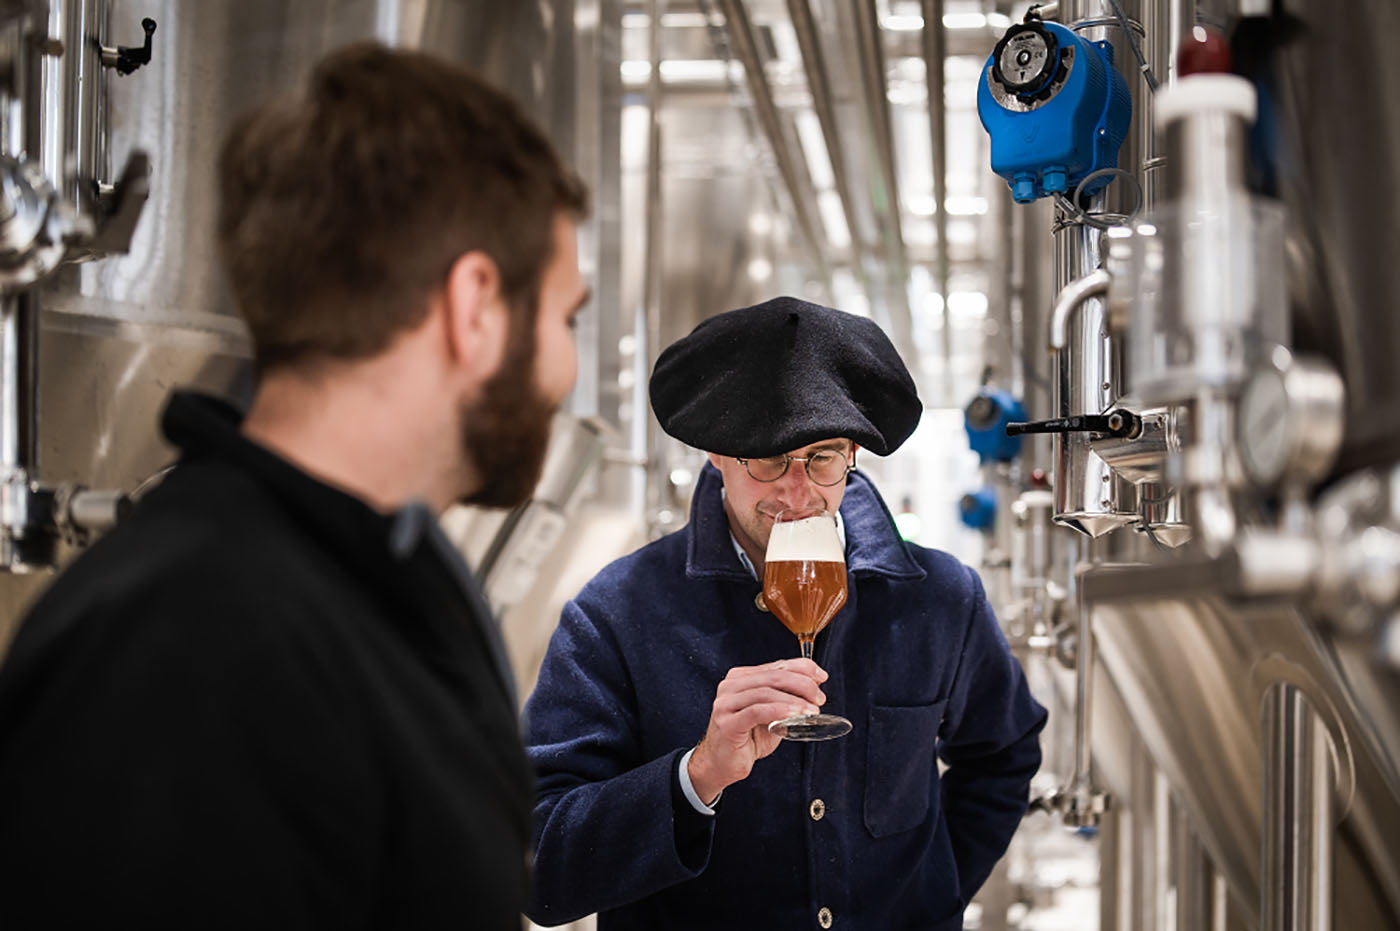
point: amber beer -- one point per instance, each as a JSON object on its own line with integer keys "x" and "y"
{"x": 804, "y": 575}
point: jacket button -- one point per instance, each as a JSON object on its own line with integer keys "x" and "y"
{"x": 824, "y": 918}
{"x": 817, "y": 809}
{"x": 759, "y": 603}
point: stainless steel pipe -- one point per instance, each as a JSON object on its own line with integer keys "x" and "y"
{"x": 1299, "y": 815}
{"x": 72, "y": 150}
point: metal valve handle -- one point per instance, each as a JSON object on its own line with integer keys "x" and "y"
{"x": 127, "y": 58}
{"x": 1119, "y": 423}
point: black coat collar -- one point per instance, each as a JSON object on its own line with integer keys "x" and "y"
{"x": 403, "y": 556}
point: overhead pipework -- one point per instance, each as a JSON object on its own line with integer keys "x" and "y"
{"x": 741, "y": 35}
{"x": 53, "y": 208}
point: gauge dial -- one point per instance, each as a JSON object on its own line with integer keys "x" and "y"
{"x": 1291, "y": 418}
{"x": 1265, "y": 427}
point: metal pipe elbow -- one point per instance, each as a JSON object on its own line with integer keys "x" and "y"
{"x": 1094, "y": 284}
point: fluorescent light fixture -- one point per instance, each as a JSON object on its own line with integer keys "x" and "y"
{"x": 964, "y": 21}
{"x": 692, "y": 20}
{"x": 834, "y": 219}
{"x": 760, "y": 269}
{"x": 967, "y": 206}
{"x": 967, "y": 305}
{"x": 962, "y": 232}
{"x": 696, "y": 69}
{"x": 920, "y": 205}
{"x": 962, "y": 67}
{"x": 847, "y": 294}
{"x": 899, "y": 23}
{"x": 785, "y": 43}
{"x": 809, "y": 136}
{"x": 904, "y": 93}
{"x": 910, "y": 68}
{"x": 896, "y": 22}
{"x": 676, "y": 71}
{"x": 668, "y": 20}
{"x": 636, "y": 130}
{"x": 923, "y": 205}
{"x": 930, "y": 315}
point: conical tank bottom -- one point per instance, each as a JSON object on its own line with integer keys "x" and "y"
{"x": 1093, "y": 524}
{"x": 1171, "y": 535}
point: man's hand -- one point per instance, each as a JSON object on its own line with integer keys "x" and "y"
{"x": 746, "y": 702}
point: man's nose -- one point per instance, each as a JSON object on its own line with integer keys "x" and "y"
{"x": 796, "y": 486}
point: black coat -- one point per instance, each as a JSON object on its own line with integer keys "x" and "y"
{"x": 260, "y": 704}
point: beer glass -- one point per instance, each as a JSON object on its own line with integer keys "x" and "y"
{"x": 804, "y": 585}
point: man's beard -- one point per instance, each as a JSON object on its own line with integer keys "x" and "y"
{"x": 505, "y": 431}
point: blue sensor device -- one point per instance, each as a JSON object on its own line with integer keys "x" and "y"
{"x": 985, "y": 419}
{"x": 978, "y": 509}
{"x": 1056, "y": 110}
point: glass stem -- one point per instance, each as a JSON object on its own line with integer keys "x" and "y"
{"x": 806, "y": 648}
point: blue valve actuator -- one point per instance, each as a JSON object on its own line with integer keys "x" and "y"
{"x": 985, "y": 419}
{"x": 978, "y": 509}
{"x": 1056, "y": 110}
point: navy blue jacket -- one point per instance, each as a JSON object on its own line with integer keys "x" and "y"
{"x": 916, "y": 661}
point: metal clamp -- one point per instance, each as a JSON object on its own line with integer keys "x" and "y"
{"x": 36, "y": 227}
{"x": 79, "y": 513}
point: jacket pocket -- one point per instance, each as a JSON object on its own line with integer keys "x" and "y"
{"x": 899, "y": 776}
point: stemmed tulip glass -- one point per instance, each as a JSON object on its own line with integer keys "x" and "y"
{"x": 804, "y": 585}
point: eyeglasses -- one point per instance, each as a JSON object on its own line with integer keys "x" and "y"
{"x": 825, "y": 467}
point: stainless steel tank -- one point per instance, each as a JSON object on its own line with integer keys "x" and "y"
{"x": 1331, "y": 149}
{"x": 117, "y": 334}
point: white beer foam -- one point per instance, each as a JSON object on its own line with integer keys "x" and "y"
{"x": 813, "y": 538}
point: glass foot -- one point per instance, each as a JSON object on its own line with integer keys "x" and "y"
{"x": 811, "y": 727}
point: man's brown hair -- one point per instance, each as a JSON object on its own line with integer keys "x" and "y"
{"x": 343, "y": 207}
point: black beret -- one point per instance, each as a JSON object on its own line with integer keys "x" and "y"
{"x": 763, "y": 380}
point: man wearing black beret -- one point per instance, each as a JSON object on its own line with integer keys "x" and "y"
{"x": 650, "y": 716}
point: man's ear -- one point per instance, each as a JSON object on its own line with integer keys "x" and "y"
{"x": 478, "y": 319}
{"x": 714, "y": 460}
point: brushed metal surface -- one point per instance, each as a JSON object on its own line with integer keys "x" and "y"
{"x": 1334, "y": 80}
{"x": 1192, "y": 672}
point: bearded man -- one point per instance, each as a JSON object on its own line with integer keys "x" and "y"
{"x": 275, "y": 697}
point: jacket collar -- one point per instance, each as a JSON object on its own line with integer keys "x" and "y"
{"x": 208, "y": 428}
{"x": 381, "y": 547}
{"x": 872, "y": 545}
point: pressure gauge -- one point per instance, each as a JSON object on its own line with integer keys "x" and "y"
{"x": 1290, "y": 416}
